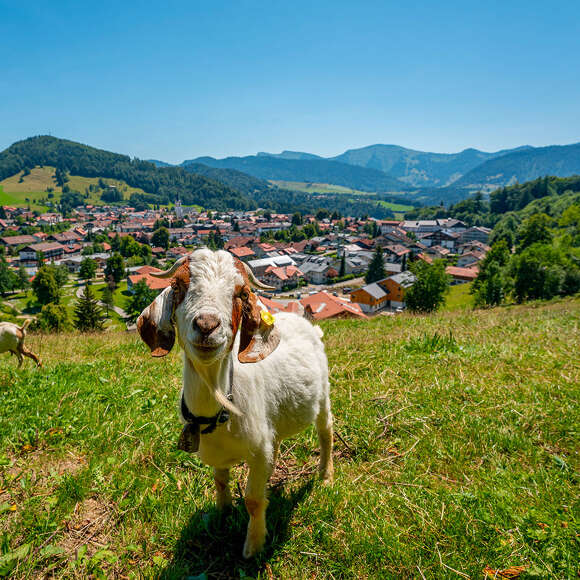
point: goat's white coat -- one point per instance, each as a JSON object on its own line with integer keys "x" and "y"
{"x": 273, "y": 399}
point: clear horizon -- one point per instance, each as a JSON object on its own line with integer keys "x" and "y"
{"x": 185, "y": 80}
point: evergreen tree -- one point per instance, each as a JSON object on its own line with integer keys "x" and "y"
{"x": 342, "y": 270}
{"x": 376, "y": 269}
{"x": 88, "y": 314}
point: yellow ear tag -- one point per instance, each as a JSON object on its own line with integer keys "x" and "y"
{"x": 267, "y": 318}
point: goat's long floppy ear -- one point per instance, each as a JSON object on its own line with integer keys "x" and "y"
{"x": 259, "y": 335}
{"x": 155, "y": 325}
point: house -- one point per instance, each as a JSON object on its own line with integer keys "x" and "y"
{"x": 440, "y": 238}
{"x": 477, "y": 233}
{"x": 14, "y": 241}
{"x": 259, "y": 267}
{"x": 65, "y": 238}
{"x": 396, "y": 253}
{"x": 371, "y": 297}
{"x": 396, "y": 287}
{"x": 51, "y": 250}
{"x": 283, "y": 277}
{"x": 243, "y": 253}
{"x": 461, "y": 275}
{"x": 144, "y": 273}
{"x": 322, "y": 305}
{"x": 274, "y": 307}
{"x": 469, "y": 259}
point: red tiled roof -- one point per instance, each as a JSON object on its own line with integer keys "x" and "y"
{"x": 323, "y": 305}
{"x": 241, "y": 251}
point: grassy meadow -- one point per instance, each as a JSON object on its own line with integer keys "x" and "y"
{"x": 456, "y": 452}
{"x": 33, "y": 187}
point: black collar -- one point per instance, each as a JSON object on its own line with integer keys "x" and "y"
{"x": 222, "y": 416}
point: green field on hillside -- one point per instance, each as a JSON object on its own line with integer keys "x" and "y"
{"x": 34, "y": 188}
{"x": 456, "y": 450}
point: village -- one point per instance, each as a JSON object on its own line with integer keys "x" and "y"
{"x": 320, "y": 277}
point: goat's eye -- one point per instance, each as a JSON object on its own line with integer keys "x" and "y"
{"x": 244, "y": 295}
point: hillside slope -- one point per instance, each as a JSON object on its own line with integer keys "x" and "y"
{"x": 163, "y": 184}
{"x": 520, "y": 166}
{"x": 453, "y": 454}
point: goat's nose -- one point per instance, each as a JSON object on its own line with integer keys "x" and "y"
{"x": 206, "y": 323}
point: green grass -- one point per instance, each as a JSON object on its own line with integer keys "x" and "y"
{"x": 453, "y": 452}
{"x": 33, "y": 188}
{"x": 459, "y": 298}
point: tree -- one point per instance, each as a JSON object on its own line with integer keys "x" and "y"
{"x": 107, "y": 298}
{"x": 89, "y": 316}
{"x": 534, "y": 230}
{"x": 428, "y": 292}
{"x": 160, "y": 238}
{"x": 492, "y": 284}
{"x": 539, "y": 272}
{"x": 23, "y": 277}
{"x": 376, "y": 269}
{"x": 115, "y": 268}
{"x": 141, "y": 298}
{"x": 8, "y": 278}
{"x": 88, "y": 269}
{"x": 297, "y": 219}
{"x": 54, "y": 318}
{"x": 45, "y": 287}
{"x": 342, "y": 270}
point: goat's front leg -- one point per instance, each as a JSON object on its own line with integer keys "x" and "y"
{"x": 256, "y": 504}
{"x": 222, "y": 480}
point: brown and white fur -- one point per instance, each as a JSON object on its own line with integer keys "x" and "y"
{"x": 280, "y": 373}
{"x": 12, "y": 340}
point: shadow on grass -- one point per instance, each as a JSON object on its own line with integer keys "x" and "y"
{"x": 211, "y": 543}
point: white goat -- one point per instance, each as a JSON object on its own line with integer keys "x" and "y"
{"x": 275, "y": 387}
{"x": 12, "y": 340}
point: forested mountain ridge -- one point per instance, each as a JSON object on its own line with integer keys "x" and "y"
{"x": 163, "y": 184}
{"x": 419, "y": 168}
{"x": 208, "y": 187}
{"x": 310, "y": 170}
{"x": 550, "y": 195}
{"x": 521, "y": 166}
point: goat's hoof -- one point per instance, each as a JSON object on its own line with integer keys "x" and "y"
{"x": 327, "y": 477}
{"x": 252, "y": 547}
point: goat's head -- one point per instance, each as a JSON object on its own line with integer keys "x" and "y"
{"x": 210, "y": 298}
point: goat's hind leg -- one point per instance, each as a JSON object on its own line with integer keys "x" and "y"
{"x": 17, "y": 354}
{"x": 324, "y": 430}
{"x": 222, "y": 486}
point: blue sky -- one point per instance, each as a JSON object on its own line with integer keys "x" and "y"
{"x": 177, "y": 79}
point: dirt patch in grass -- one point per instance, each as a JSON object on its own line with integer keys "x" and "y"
{"x": 40, "y": 465}
{"x": 90, "y": 525}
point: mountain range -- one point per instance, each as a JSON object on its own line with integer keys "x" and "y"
{"x": 423, "y": 175}
{"x": 293, "y": 179}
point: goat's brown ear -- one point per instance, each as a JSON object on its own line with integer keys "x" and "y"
{"x": 259, "y": 336}
{"x": 155, "y": 325}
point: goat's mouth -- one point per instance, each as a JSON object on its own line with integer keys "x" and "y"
{"x": 206, "y": 347}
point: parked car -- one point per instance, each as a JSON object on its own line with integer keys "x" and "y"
{"x": 347, "y": 290}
